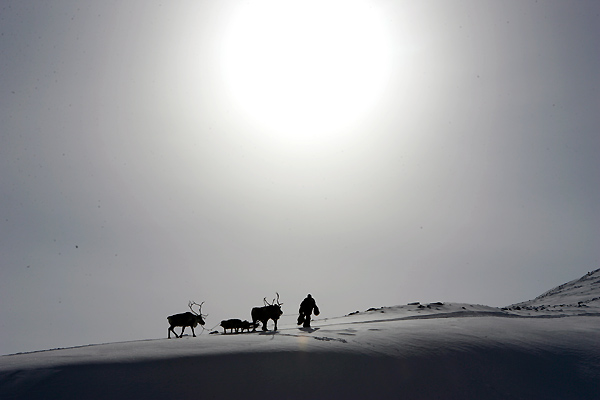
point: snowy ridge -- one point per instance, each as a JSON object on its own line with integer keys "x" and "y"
{"x": 580, "y": 296}
{"x": 415, "y": 351}
{"x": 585, "y": 286}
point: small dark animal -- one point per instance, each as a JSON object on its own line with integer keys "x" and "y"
{"x": 191, "y": 319}
{"x": 247, "y": 325}
{"x": 231, "y": 324}
{"x": 264, "y": 314}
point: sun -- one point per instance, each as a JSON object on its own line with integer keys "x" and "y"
{"x": 305, "y": 71}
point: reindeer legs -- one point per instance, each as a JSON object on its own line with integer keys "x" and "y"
{"x": 174, "y": 333}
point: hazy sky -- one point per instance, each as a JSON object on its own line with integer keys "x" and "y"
{"x": 370, "y": 153}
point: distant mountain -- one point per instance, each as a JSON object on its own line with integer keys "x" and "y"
{"x": 582, "y": 294}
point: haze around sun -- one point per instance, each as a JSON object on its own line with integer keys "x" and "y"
{"x": 305, "y": 72}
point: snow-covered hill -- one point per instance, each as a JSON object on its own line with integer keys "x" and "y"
{"x": 416, "y": 351}
{"x": 579, "y": 296}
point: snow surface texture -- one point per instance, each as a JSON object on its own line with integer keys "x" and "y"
{"x": 546, "y": 348}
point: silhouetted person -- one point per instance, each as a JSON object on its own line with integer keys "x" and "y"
{"x": 307, "y": 307}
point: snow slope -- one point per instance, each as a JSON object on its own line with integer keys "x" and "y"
{"x": 429, "y": 351}
{"x": 580, "y": 296}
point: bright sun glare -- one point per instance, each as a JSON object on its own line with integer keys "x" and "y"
{"x": 304, "y": 71}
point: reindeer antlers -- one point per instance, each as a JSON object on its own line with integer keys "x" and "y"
{"x": 193, "y": 303}
{"x": 273, "y": 302}
{"x": 278, "y": 303}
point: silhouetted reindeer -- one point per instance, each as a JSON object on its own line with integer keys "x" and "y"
{"x": 231, "y": 324}
{"x": 237, "y": 324}
{"x": 247, "y": 325}
{"x": 191, "y": 319}
{"x": 264, "y": 314}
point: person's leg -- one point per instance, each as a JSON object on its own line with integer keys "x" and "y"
{"x": 307, "y": 321}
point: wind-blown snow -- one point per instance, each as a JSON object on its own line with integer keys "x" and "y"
{"x": 530, "y": 350}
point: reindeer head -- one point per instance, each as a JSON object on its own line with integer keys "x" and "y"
{"x": 275, "y": 305}
{"x": 199, "y": 316}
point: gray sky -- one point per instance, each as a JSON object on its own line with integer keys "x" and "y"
{"x": 370, "y": 154}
